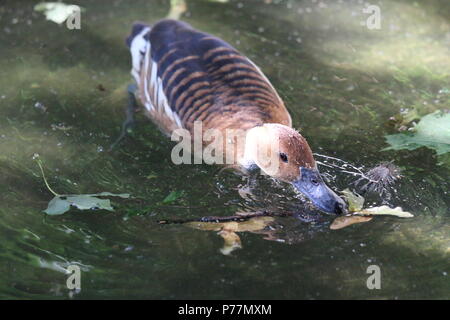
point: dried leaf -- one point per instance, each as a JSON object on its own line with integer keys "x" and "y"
{"x": 385, "y": 210}
{"x": 345, "y": 221}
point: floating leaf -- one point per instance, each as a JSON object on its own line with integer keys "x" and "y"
{"x": 62, "y": 203}
{"x": 432, "y": 131}
{"x": 385, "y": 210}
{"x": 355, "y": 201}
{"x": 57, "y": 12}
{"x": 86, "y": 202}
{"x": 358, "y": 214}
{"x": 57, "y": 206}
{"x": 345, "y": 221}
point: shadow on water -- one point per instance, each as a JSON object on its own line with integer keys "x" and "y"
{"x": 63, "y": 98}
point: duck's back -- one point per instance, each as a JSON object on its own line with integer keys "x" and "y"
{"x": 185, "y": 75}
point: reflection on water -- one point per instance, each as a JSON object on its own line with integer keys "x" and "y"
{"x": 228, "y": 230}
{"x": 62, "y": 96}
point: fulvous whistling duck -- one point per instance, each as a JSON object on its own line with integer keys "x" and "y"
{"x": 184, "y": 75}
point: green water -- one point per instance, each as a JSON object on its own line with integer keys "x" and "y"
{"x": 62, "y": 95}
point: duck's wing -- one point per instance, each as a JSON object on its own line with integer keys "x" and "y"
{"x": 190, "y": 75}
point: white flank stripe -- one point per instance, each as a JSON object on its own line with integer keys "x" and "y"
{"x": 138, "y": 45}
{"x": 144, "y": 66}
{"x": 161, "y": 96}
{"x": 146, "y": 62}
{"x": 153, "y": 80}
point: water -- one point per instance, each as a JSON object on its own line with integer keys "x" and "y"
{"x": 62, "y": 94}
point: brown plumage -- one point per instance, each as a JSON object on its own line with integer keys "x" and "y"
{"x": 185, "y": 75}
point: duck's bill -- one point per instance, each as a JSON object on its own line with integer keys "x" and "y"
{"x": 312, "y": 186}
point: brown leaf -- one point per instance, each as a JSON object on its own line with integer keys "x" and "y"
{"x": 345, "y": 221}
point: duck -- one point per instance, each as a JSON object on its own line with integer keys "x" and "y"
{"x": 184, "y": 76}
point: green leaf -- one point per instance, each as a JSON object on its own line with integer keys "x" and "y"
{"x": 62, "y": 203}
{"x": 87, "y": 202}
{"x": 57, "y": 206}
{"x": 174, "y": 195}
{"x": 355, "y": 201}
{"x": 433, "y": 132}
{"x": 385, "y": 210}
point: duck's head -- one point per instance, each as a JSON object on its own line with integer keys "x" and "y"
{"x": 284, "y": 154}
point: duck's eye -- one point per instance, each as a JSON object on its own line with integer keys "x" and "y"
{"x": 283, "y": 157}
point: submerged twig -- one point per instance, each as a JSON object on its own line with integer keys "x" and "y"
{"x": 236, "y": 218}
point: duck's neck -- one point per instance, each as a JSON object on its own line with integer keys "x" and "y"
{"x": 237, "y": 145}
{"x": 246, "y": 156}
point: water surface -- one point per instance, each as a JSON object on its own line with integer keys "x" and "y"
{"x": 62, "y": 95}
